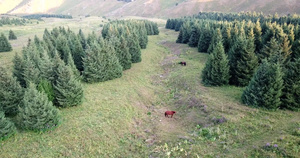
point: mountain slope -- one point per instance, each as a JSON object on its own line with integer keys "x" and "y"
{"x": 149, "y": 8}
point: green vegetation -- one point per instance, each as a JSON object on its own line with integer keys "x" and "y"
{"x": 4, "y": 44}
{"x": 124, "y": 117}
{"x": 12, "y": 35}
{"x": 7, "y": 128}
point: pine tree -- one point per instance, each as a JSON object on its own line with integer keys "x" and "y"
{"x": 271, "y": 48}
{"x": 258, "y": 34}
{"x": 215, "y": 39}
{"x": 195, "y": 35}
{"x": 10, "y": 93}
{"x": 134, "y": 48}
{"x": 76, "y": 51}
{"x": 291, "y": 91}
{"x": 82, "y": 39}
{"x": 4, "y": 44}
{"x": 62, "y": 48}
{"x": 122, "y": 51}
{"x": 67, "y": 89}
{"x": 179, "y": 38}
{"x": 247, "y": 63}
{"x": 11, "y": 35}
{"x": 37, "y": 112}
{"x": 265, "y": 88}
{"x": 204, "y": 40}
{"x": 296, "y": 50}
{"x": 18, "y": 68}
{"x": 234, "y": 55}
{"x": 101, "y": 64}
{"x": 216, "y": 71}
{"x": 7, "y": 128}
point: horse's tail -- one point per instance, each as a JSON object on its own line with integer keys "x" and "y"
{"x": 166, "y": 114}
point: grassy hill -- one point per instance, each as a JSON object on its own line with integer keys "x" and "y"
{"x": 148, "y": 8}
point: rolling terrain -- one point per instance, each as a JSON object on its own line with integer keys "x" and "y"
{"x": 147, "y": 8}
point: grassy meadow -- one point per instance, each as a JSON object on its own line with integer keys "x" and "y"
{"x": 125, "y": 117}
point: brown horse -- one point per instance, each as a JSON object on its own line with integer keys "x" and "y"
{"x": 183, "y": 63}
{"x": 167, "y": 113}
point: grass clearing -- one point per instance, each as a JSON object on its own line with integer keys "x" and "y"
{"x": 125, "y": 117}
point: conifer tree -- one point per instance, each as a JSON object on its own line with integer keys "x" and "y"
{"x": 271, "y": 48}
{"x": 76, "y": 51}
{"x": 37, "y": 112}
{"x": 247, "y": 63}
{"x": 179, "y": 38}
{"x": 134, "y": 48}
{"x": 295, "y": 50}
{"x": 10, "y": 93}
{"x": 291, "y": 91}
{"x": 62, "y": 48}
{"x": 82, "y": 39}
{"x": 18, "y": 68}
{"x": 7, "y": 128}
{"x": 101, "y": 63}
{"x": 216, "y": 70}
{"x": 67, "y": 90}
{"x": 4, "y": 44}
{"x": 265, "y": 88}
{"x": 204, "y": 40}
{"x": 258, "y": 34}
{"x": 215, "y": 39}
{"x": 195, "y": 35}
{"x": 11, "y": 35}
{"x": 122, "y": 51}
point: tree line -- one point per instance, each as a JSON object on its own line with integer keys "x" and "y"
{"x": 48, "y": 73}
{"x": 12, "y": 21}
{"x": 39, "y": 16}
{"x": 264, "y": 57}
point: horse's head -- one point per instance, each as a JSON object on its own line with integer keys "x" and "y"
{"x": 173, "y": 112}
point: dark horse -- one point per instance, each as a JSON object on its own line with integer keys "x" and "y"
{"x": 167, "y": 113}
{"x": 183, "y": 63}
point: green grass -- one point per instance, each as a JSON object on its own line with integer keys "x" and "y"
{"x": 124, "y": 117}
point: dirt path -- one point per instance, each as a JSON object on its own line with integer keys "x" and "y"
{"x": 165, "y": 129}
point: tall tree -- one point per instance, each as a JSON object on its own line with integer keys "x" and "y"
{"x": 265, "y": 88}
{"x": 122, "y": 51}
{"x": 101, "y": 63}
{"x": 4, "y": 44}
{"x": 7, "y": 128}
{"x": 11, "y": 35}
{"x": 216, "y": 70}
{"x": 291, "y": 91}
{"x": 10, "y": 93}
{"x": 37, "y": 112}
{"x": 215, "y": 40}
{"x": 67, "y": 90}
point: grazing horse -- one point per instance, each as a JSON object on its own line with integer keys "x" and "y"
{"x": 183, "y": 63}
{"x": 167, "y": 113}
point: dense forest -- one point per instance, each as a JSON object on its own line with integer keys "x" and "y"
{"x": 47, "y": 74}
{"x": 261, "y": 53}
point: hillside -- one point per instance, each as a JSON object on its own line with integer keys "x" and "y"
{"x": 157, "y": 8}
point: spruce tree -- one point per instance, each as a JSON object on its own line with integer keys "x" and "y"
{"x": 122, "y": 51}
{"x": 215, "y": 39}
{"x": 180, "y": 36}
{"x": 134, "y": 48}
{"x": 265, "y": 88}
{"x": 291, "y": 91}
{"x": 101, "y": 64}
{"x": 67, "y": 90}
{"x": 11, "y": 35}
{"x": 258, "y": 34}
{"x": 76, "y": 51}
{"x": 271, "y": 48}
{"x": 63, "y": 48}
{"x": 216, "y": 70}
{"x": 11, "y": 93}
{"x": 246, "y": 61}
{"x": 7, "y": 128}
{"x": 18, "y": 68}
{"x": 204, "y": 40}
{"x": 4, "y": 44}
{"x": 37, "y": 112}
{"x": 195, "y": 35}
{"x": 295, "y": 50}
